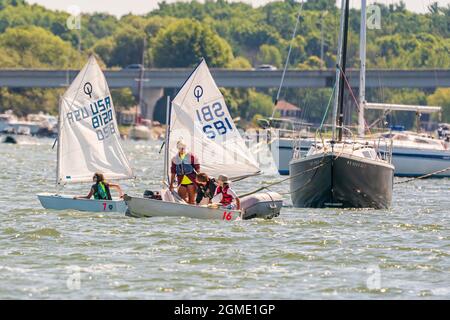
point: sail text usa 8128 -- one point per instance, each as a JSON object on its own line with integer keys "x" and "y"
{"x": 88, "y": 141}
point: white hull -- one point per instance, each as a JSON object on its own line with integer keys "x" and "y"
{"x": 408, "y": 162}
{"x": 34, "y": 127}
{"x": 66, "y": 202}
{"x": 143, "y": 207}
{"x": 140, "y": 133}
{"x": 414, "y": 162}
{"x": 282, "y": 152}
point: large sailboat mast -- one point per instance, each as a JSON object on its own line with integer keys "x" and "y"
{"x": 166, "y": 142}
{"x": 362, "y": 70}
{"x": 342, "y": 74}
{"x": 338, "y": 71}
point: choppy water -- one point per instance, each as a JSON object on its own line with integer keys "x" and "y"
{"x": 399, "y": 253}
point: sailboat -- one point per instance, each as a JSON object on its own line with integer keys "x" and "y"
{"x": 413, "y": 154}
{"x": 199, "y": 116}
{"x": 88, "y": 142}
{"x": 139, "y": 131}
{"x": 341, "y": 172}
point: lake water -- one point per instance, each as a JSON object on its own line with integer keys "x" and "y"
{"x": 401, "y": 253}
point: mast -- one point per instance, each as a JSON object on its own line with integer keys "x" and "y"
{"x": 362, "y": 70}
{"x": 166, "y": 142}
{"x": 141, "y": 84}
{"x": 338, "y": 71}
{"x": 322, "y": 40}
{"x": 343, "y": 64}
{"x": 58, "y": 141}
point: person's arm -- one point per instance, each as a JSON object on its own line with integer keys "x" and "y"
{"x": 196, "y": 164}
{"x": 212, "y": 191}
{"x": 172, "y": 179}
{"x": 200, "y": 196}
{"x": 91, "y": 192}
{"x": 117, "y": 187}
{"x": 235, "y": 197}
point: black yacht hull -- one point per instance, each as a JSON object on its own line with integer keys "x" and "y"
{"x": 342, "y": 181}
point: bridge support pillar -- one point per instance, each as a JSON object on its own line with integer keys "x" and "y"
{"x": 150, "y": 97}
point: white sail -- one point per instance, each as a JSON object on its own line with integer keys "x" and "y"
{"x": 89, "y": 139}
{"x": 201, "y": 119}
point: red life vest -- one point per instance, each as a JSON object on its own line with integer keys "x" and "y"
{"x": 226, "y": 198}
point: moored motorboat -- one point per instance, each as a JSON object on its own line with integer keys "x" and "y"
{"x": 415, "y": 155}
{"x": 140, "y": 132}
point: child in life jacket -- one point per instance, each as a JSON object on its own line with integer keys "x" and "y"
{"x": 225, "y": 195}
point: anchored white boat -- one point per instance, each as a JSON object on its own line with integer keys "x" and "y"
{"x": 415, "y": 155}
{"x": 88, "y": 142}
{"x": 201, "y": 118}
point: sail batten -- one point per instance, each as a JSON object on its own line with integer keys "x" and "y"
{"x": 89, "y": 138}
{"x": 201, "y": 119}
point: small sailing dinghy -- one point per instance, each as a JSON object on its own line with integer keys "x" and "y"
{"x": 200, "y": 117}
{"x": 88, "y": 142}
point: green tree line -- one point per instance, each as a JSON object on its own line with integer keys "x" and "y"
{"x": 229, "y": 35}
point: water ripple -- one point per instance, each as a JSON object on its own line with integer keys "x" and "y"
{"x": 400, "y": 253}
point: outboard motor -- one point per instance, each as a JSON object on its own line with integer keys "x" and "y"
{"x": 10, "y": 139}
{"x": 152, "y": 195}
{"x": 264, "y": 205}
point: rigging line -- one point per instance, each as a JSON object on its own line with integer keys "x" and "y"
{"x": 328, "y": 106}
{"x": 287, "y": 58}
{"x": 316, "y": 168}
{"x": 353, "y": 96}
{"x": 424, "y": 176}
{"x": 190, "y": 86}
{"x": 72, "y": 103}
{"x": 78, "y": 90}
{"x": 285, "y": 179}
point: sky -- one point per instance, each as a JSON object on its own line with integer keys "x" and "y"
{"x": 121, "y": 7}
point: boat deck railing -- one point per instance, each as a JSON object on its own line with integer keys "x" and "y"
{"x": 380, "y": 143}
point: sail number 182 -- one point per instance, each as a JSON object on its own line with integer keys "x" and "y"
{"x": 217, "y": 122}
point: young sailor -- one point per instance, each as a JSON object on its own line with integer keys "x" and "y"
{"x": 206, "y": 188}
{"x": 185, "y": 167}
{"x": 101, "y": 189}
{"x": 225, "y": 195}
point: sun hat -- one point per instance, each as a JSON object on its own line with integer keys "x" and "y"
{"x": 224, "y": 179}
{"x": 181, "y": 144}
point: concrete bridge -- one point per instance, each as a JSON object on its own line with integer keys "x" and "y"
{"x": 158, "y": 79}
{"x": 174, "y": 78}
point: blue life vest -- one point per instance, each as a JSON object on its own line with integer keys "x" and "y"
{"x": 185, "y": 166}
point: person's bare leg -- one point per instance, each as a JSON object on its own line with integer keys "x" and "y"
{"x": 191, "y": 193}
{"x": 182, "y": 192}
